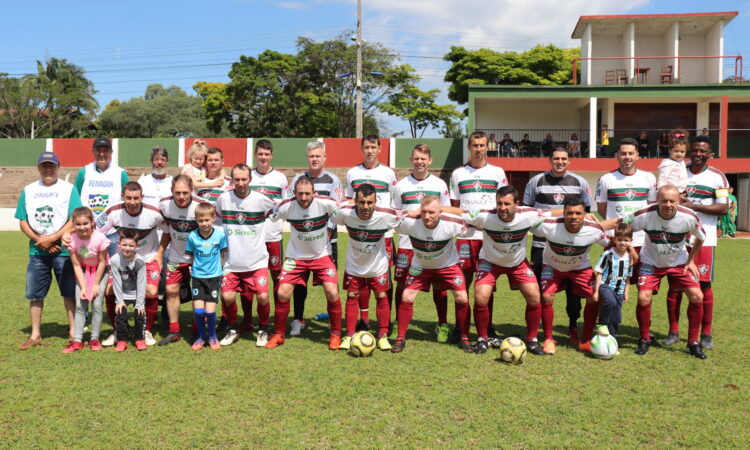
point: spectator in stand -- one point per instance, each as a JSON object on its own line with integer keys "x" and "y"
{"x": 524, "y": 146}
{"x": 492, "y": 148}
{"x": 604, "y": 141}
{"x": 509, "y": 147}
{"x": 574, "y": 145}
{"x": 643, "y": 145}
{"x": 662, "y": 144}
{"x": 548, "y": 145}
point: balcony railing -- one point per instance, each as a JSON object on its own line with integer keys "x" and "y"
{"x": 732, "y": 68}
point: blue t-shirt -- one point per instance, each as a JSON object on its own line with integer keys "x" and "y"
{"x": 206, "y": 252}
{"x": 615, "y": 270}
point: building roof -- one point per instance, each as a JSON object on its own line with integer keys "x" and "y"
{"x": 655, "y": 24}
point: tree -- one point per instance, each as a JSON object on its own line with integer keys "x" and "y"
{"x": 542, "y": 65}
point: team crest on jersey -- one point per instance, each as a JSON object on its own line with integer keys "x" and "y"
{"x": 690, "y": 190}
{"x": 420, "y": 196}
{"x": 430, "y": 246}
{"x": 477, "y": 185}
{"x": 262, "y": 280}
{"x": 458, "y": 281}
{"x": 330, "y": 272}
{"x": 289, "y": 264}
{"x": 630, "y": 194}
{"x": 558, "y": 198}
{"x": 506, "y": 237}
{"x": 182, "y": 226}
{"x": 703, "y": 269}
{"x": 241, "y": 218}
{"x": 97, "y": 202}
{"x": 308, "y": 225}
{"x": 568, "y": 250}
{"x": 44, "y": 216}
{"x": 274, "y": 260}
{"x": 362, "y": 234}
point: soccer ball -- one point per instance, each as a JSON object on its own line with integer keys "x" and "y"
{"x": 604, "y": 346}
{"x": 363, "y": 344}
{"x": 513, "y": 350}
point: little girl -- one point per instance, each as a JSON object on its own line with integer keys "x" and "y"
{"x": 672, "y": 170}
{"x": 88, "y": 254}
{"x": 197, "y": 170}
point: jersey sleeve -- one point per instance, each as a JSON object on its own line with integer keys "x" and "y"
{"x": 189, "y": 247}
{"x": 454, "y": 195}
{"x": 445, "y": 198}
{"x": 502, "y": 178}
{"x": 104, "y": 222}
{"x": 75, "y": 201}
{"x": 140, "y": 298}
{"x": 338, "y": 217}
{"x": 697, "y": 230}
{"x": 541, "y": 229}
{"x": 604, "y": 240}
{"x": 114, "y": 266}
{"x": 349, "y": 191}
{"x": 529, "y": 194}
{"x": 475, "y": 217}
{"x": 599, "y": 266}
{"x": 336, "y": 191}
{"x": 124, "y": 178}
{"x": 601, "y": 190}
{"x": 331, "y": 206}
{"x": 80, "y": 178}
{"x": 21, "y": 207}
{"x": 394, "y": 220}
{"x": 223, "y": 242}
{"x": 406, "y": 225}
{"x": 396, "y": 198}
{"x": 637, "y": 221}
{"x": 586, "y": 192}
{"x": 280, "y": 212}
{"x": 651, "y": 187}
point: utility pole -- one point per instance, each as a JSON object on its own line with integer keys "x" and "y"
{"x": 359, "y": 69}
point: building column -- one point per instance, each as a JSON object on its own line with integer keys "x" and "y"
{"x": 723, "y": 126}
{"x": 592, "y": 126}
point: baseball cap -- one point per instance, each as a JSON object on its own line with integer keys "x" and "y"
{"x": 102, "y": 142}
{"x": 48, "y": 157}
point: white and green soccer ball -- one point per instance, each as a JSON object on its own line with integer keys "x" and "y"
{"x": 604, "y": 346}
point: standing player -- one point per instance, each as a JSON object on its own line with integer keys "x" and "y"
{"x": 158, "y": 183}
{"x": 407, "y": 196}
{"x": 326, "y": 184}
{"x": 308, "y": 251}
{"x": 550, "y": 190}
{"x": 214, "y": 174}
{"x": 435, "y": 261}
{"x": 667, "y": 225}
{"x": 707, "y": 194}
{"x": 366, "y": 259}
{"x": 100, "y": 182}
{"x": 473, "y": 186}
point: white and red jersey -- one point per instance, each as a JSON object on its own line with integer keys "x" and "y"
{"x": 408, "y": 195}
{"x": 275, "y": 185}
{"x": 707, "y": 187}
{"x": 566, "y": 251}
{"x": 475, "y": 188}
{"x": 309, "y": 234}
{"x": 179, "y": 223}
{"x": 146, "y": 223}
{"x": 433, "y": 247}
{"x": 381, "y": 177}
{"x": 366, "y": 255}
{"x": 505, "y": 242}
{"x": 211, "y": 194}
{"x": 626, "y": 194}
{"x": 244, "y": 221}
{"x": 665, "y": 238}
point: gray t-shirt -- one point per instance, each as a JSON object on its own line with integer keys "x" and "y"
{"x": 128, "y": 279}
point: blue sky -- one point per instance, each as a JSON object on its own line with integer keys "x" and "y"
{"x": 125, "y": 45}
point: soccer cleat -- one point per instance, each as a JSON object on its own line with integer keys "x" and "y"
{"x": 110, "y": 341}
{"x": 707, "y": 341}
{"x": 73, "y": 347}
{"x": 549, "y": 346}
{"x": 362, "y": 326}
{"x": 384, "y": 344}
{"x": 297, "y": 327}
{"x": 652, "y": 340}
{"x": 643, "y": 346}
{"x": 149, "y": 338}
{"x": 214, "y": 343}
{"x": 481, "y": 346}
{"x": 398, "y": 347}
{"x": 169, "y": 338}
{"x": 602, "y": 330}
{"x": 346, "y": 344}
{"x": 672, "y": 338}
{"x": 696, "y": 350}
{"x": 443, "y": 331}
{"x": 334, "y": 342}
{"x": 275, "y": 341}
{"x": 465, "y": 345}
{"x": 95, "y": 345}
{"x": 140, "y": 345}
{"x": 534, "y": 348}
{"x": 231, "y": 337}
{"x": 262, "y": 338}
{"x": 573, "y": 336}
{"x": 494, "y": 342}
{"x": 198, "y": 344}
{"x": 121, "y": 346}
{"x": 585, "y": 346}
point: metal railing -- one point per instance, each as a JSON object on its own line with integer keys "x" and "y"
{"x": 640, "y": 72}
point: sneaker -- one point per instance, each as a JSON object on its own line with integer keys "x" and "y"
{"x": 534, "y": 348}
{"x": 346, "y": 343}
{"x": 198, "y": 344}
{"x": 141, "y": 345}
{"x": 262, "y": 338}
{"x": 643, "y": 346}
{"x": 362, "y": 326}
{"x": 73, "y": 347}
{"x": 494, "y": 342}
{"x": 585, "y": 346}
{"x": 672, "y": 338}
{"x": 297, "y": 327}
{"x": 169, "y": 338}
{"x": 465, "y": 345}
{"x": 149, "y": 338}
{"x": 110, "y": 341}
{"x": 384, "y": 344}
{"x": 121, "y": 346}
{"x": 481, "y": 346}
{"x": 334, "y": 342}
{"x": 231, "y": 337}
{"x": 95, "y": 345}
{"x": 443, "y": 331}
{"x": 573, "y": 336}
{"x": 275, "y": 341}
{"x": 549, "y": 346}
{"x": 696, "y": 350}
{"x": 707, "y": 341}
{"x": 602, "y": 330}
{"x": 214, "y": 343}
{"x": 398, "y": 347}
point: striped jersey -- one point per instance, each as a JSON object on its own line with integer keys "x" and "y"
{"x": 244, "y": 221}
{"x": 707, "y": 187}
{"x": 275, "y": 185}
{"x": 179, "y": 223}
{"x": 145, "y": 223}
{"x": 626, "y": 194}
{"x": 433, "y": 247}
{"x": 615, "y": 270}
{"x": 383, "y": 178}
{"x": 475, "y": 188}
{"x": 566, "y": 251}
{"x": 326, "y": 185}
{"x": 211, "y": 194}
{"x": 309, "y": 232}
{"x": 366, "y": 255}
{"x": 409, "y": 193}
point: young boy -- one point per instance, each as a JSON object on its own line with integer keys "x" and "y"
{"x": 207, "y": 245}
{"x": 129, "y": 284}
{"x": 612, "y": 274}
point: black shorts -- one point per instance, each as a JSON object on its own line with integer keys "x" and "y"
{"x": 206, "y": 289}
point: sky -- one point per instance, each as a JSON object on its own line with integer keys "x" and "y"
{"x": 125, "y": 45}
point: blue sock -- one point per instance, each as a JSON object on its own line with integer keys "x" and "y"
{"x": 211, "y": 322}
{"x": 200, "y": 321}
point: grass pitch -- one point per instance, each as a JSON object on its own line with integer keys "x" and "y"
{"x": 431, "y": 395}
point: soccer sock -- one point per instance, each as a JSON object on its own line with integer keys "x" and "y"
{"x": 352, "y": 307}
{"x": 405, "y": 313}
{"x": 548, "y": 319}
{"x": 211, "y": 324}
{"x": 383, "y": 311}
{"x": 109, "y": 302}
{"x": 300, "y": 295}
{"x": 200, "y": 320}
{"x": 708, "y": 311}
{"x": 440, "y": 298}
{"x": 397, "y": 299}
{"x": 334, "y": 316}
{"x": 533, "y": 317}
{"x": 695, "y": 316}
{"x": 152, "y": 310}
{"x": 590, "y": 314}
{"x": 643, "y": 314}
{"x": 463, "y": 312}
{"x": 264, "y": 313}
{"x": 281, "y": 312}
{"x": 481, "y": 320}
{"x": 174, "y": 327}
{"x": 673, "y": 310}
{"x": 364, "y": 304}
{"x": 247, "y": 310}
{"x": 230, "y": 311}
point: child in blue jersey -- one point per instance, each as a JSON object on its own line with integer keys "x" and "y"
{"x": 207, "y": 245}
{"x": 612, "y": 274}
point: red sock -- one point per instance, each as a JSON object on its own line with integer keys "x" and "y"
{"x": 174, "y": 327}
{"x": 152, "y": 310}
{"x": 590, "y": 314}
{"x": 708, "y": 311}
{"x": 482, "y": 320}
{"x": 383, "y": 311}
{"x": 533, "y": 317}
{"x": 463, "y": 312}
{"x": 440, "y": 298}
{"x": 674, "y": 298}
{"x": 364, "y": 304}
{"x": 230, "y": 311}
{"x": 352, "y": 307}
{"x": 643, "y": 314}
{"x": 264, "y": 312}
{"x": 695, "y": 316}
{"x": 281, "y": 312}
{"x": 405, "y": 313}
{"x": 548, "y": 319}
{"x": 109, "y": 301}
{"x": 334, "y": 316}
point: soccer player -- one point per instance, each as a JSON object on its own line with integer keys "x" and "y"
{"x": 435, "y": 261}
{"x": 100, "y": 182}
{"x": 384, "y": 179}
{"x": 326, "y": 184}
{"x": 44, "y": 210}
{"x": 707, "y": 194}
{"x": 664, "y": 253}
{"x": 158, "y": 183}
{"x": 308, "y": 251}
{"x": 243, "y": 214}
{"x": 407, "y": 196}
{"x": 473, "y": 186}
{"x": 366, "y": 259}
{"x": 550, "y": 190}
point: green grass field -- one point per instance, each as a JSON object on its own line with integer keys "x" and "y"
{"x": 431, "y": 395}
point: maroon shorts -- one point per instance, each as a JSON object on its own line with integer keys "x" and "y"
{"x": 650, "y": 277}
{"x": 704, "y": 260}
{"x": 178, "y": 274}
{"x": 381, "y": 283}
{"x": 403, "y": 262}
{"x": 153, "y": 273}
{"x": 636, "y": 268}
{"x": 488, "y": 273}
{"x": 450, "y": 277}
{"x": 274, "y": 255}
{"x": 468, "y": 253}
{"x": 296, "y": 271}
{"x": 389, "y": 250}
{"x": 253, "y": 281}
{"x": 580, "y": 281}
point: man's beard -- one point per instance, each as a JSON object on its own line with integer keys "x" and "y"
{"x": 160, "y": 172}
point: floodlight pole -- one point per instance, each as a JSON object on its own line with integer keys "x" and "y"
{"x": 359, "y": 69}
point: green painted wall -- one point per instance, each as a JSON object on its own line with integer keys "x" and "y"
{"x": 289, "y": 152}
{"x": 137, "y": 152}
{"x": 21, "y": 152}
{"x": 446, "y": 153}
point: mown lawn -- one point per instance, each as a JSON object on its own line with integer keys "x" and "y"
{"x": 431, "y": 395}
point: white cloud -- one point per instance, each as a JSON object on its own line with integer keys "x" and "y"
{"x": 296, "y": 6}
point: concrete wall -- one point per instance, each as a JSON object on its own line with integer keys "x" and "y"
{"x": 693, "y": 70}
{"x": 603, "y": 47}
{"x": 529, "y": 115}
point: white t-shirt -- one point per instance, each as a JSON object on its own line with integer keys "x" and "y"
{"x": 211, "y": 194}
{"x": 275, "y": 185}
{"x": 665, "y": 239}
{"x": 146, "y": 223}
{"x": 309, "y": 234}
{"x": 672, "y": 172}
{"x": 476, "y": 189}
{"x": 244, "y": 221}
{"x": 708, "y": 187}
{"x": 433, "y": 247}
{"x": 408, "y": 195}
{"x": 383, "y": 179}
{"x": 626, "y": 194}
{"x": 566, "y": 251}
{"x": 155, "y": 189}
{"x": 179, "y": 222}
{"x": 366, "y": 255}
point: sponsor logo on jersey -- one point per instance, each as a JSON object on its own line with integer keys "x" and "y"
{"x": 485, "y": 265}
{"x": 98, "y": 202}
{"x": 44, "y": 216}
{"x": 464, "y": 251}
{"x": 415, "y": 271}
{"x": 402, "y": 260}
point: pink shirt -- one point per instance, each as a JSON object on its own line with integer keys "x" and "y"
{"x": 88, "y": 250}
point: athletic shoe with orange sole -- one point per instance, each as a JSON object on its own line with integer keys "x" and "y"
{"x": 585, "y": 346}
{"x": 198, "y": 344}
{"x": 334, "y": 342}
{"x": 141, "y": 345}
{"x": 549, "y": 346}
{"x": 275, "y": 341}
{"x": 121, "y": 346}
{"x": 214, "y": 344}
